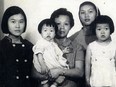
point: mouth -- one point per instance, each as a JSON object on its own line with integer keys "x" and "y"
{"x": 103, "y": 36}
{"x": 62, "y": 32}
{"x": 87, "y": 20}
{"x": 17, "y": 31}
{"x": 48, "y": 37}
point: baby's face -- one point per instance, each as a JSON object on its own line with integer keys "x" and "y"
{"x": 48, "y": 32}
{"x": 102, "y": 31}
{"x": 87, "y": 14}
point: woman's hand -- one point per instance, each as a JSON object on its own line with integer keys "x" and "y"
{"x": 55, "y": 73}
{"x": 67, "y": 50}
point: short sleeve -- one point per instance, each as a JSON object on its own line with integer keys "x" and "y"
{"x": 79, "y": 52}
{"x": 39, "y": 47}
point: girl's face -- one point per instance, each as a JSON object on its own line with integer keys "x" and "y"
{"x": 16, "y": 24}
{"x": 102, "y": 31}
{"x": 48, "y": 32}
{"x": 87, "y": 14}
{"x": 63, "y": 23}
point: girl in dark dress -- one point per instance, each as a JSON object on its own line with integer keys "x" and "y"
{"x": 15, "y": 52}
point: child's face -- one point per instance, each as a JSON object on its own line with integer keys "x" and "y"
{"x": 63, "y": 23}
{"x": 102, "y": 31}
{"x": 87, "y": 14}
{"x": 48, "y": 32}
{"x": 16, "y": 24}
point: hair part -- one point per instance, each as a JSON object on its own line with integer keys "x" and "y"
{"x": 13, "y": 10}
{"x": 48, "y": 22}
{"x": 63, "y": 11}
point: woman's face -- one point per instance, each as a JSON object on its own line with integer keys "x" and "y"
{"x": 63, "y": 23}
{"x": 16, "y": 24}
{"x": 87, "y": 14}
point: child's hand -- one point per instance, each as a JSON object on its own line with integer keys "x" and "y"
{"x": 44, "y": 69}
{"x": 67, "y": 50}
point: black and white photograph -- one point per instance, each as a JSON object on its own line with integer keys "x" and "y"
{"x": 57, "y": 43}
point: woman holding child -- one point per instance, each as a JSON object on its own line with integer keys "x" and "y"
{"x": 75, "y": 57}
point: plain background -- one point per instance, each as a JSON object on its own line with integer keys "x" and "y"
{"x": 37, "y": 10}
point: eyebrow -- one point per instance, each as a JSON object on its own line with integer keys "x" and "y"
{"x": 14, "y": 19}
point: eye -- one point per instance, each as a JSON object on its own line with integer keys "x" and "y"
{"x": 45, "y": 30}
{"x": 21, "y": 21}
{"x": 13, "y": 21}
{"x": 82, "y": 12}
{"x": 98, "y": 29}
{"x": 66, "y": 23}
{"x": 58, "y": 23}
{"x": 106, "y": 28}
{"x": 90, "y": 11}
{"x": 52, "y": 30}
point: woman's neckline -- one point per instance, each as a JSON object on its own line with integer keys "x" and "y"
{"x": 15, "y": 40}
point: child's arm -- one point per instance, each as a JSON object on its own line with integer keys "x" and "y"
{"x": 88, "y": 65}
{"x": 44, "y": 68}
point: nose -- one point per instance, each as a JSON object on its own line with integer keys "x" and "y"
{"x": 17, "y": 24}
{"x": 48, "y": 33}
{"x": 86, "y": 14}
{"x": 102, "y": 32}
{"x": 62, "y": 27}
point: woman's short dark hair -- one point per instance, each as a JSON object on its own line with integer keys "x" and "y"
{"x": 103, "y": 19}
{"x": 63, "y": 11}
{"x": 47, "y": 22}
{"x": 13, "y": 10}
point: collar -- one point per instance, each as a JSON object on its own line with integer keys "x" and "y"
{"x": 10, "y": 40}
{"x": 67, "y": 42}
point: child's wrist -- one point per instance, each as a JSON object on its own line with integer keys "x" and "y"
{"x": 63, "y": 72}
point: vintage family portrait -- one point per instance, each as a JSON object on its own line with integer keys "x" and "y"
{"x": 57, "y": 43}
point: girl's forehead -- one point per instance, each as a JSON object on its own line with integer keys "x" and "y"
{"x": 19, "y": 15}
{"x": 62, "y": 18}
{"x": 102, "y": 24}
{"x": 86, "y": 6}
{"x": 47, "y": 26}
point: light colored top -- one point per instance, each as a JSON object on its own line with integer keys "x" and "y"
{"x": 103, "y": 70}
{"x": 52, "y": 55}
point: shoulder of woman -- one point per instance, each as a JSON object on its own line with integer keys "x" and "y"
{"x": 26, "y": 42}
{"x": 72, "y": 37}
{"x": 5, "y": 41}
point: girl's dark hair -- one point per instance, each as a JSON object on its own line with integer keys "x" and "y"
{"x": 13, "y": 10}
{"x": 89, "y": 3}
{"x": 47, "y": 22}
{"x": 63, "y": 11}
{"x": 101, "y": 20}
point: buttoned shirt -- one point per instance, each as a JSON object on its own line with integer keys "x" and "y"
{"x": 16, "y": 63}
